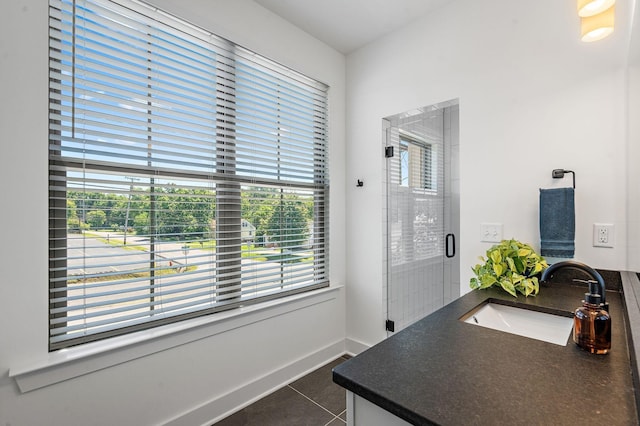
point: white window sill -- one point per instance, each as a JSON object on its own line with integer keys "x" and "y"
{"x": 66, "y": 364}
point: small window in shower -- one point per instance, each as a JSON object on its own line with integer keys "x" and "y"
{"x": 416, "y": 164}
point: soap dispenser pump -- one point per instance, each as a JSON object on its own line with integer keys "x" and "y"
{"x": 592, "y": 324}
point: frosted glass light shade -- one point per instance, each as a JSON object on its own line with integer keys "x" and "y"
{"x": 593, "y": 7}
{"x": 598, "y": 26}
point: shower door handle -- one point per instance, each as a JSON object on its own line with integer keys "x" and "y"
{"x": 450, "y": 245}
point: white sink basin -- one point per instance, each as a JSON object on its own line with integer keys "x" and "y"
{"x": 523, "y": 322}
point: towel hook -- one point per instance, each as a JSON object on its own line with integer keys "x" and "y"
{"x": 559, "y": 173}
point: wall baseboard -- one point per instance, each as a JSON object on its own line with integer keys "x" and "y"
{"x": 354, "y": 347}
{"x": 225, "y": 405}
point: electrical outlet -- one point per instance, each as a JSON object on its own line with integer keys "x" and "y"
{"x": 491, "y": 232}
{"x": 603, "y": 235}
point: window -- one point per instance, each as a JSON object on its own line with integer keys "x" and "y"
{"x": 417, "y": 164}
{"x": 187, "y": 175}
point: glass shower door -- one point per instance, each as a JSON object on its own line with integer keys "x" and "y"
{"x": 420, "y": 242}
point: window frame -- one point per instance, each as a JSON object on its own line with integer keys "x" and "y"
{"x": 227, "y": 187}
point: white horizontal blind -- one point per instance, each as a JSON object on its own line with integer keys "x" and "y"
{"x": 187, "y": 174}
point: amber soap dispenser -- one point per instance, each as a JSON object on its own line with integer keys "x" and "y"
{"x": 592, "y": 324}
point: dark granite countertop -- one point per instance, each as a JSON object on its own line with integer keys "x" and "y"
{"x": 441, "y": 370}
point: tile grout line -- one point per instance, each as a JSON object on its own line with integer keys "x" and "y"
{"x": 305, "y": 396}
{"x": 336, "y": 417}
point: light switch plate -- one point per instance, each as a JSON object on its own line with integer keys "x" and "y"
{"x": 491, "y": 232}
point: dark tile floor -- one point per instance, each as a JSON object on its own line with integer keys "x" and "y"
{"x": 313, "y": 400}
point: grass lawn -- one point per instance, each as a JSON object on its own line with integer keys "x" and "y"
{"x": 116, "y": 241}
{"x": 250, "y": 251}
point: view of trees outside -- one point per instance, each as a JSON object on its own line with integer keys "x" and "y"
{"x": 280, "y": 219}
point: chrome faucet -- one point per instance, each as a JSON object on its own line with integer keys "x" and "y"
{"x": 595, "y": 275}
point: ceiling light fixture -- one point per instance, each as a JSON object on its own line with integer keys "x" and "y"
{"x": 599, "y": 25}
{"x": 593, "y": 7}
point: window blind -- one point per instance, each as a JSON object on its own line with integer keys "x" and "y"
{"x": 187, "y": 175}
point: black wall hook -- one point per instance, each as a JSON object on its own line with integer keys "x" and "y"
{"x": 559, "y": 174}
{"x": 359, "y": 183}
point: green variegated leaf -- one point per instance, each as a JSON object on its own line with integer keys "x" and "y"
{"x": 497, "y": 269}
{"x": 495, "y": 256}
{"x": 520, "y": 265}
{"x": 508, "y": 287}
{"x": 487, "y": 281}
{"x": 536, "y": 285}
{"x": 516, "y": 278}
{"x": 537, "y": 268}
{"x": 474, "y": 283}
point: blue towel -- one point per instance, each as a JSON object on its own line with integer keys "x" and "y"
{"x": 557, "y": 222}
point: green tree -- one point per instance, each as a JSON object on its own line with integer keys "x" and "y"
{"x": 288, "y": 223}
{"x": 73, "y": 221}
{"x": 184, "y": 213}
{"x": 113, "y": 206}
{"x": 96, "y": 218}
{"x": 261, "y": 219}
{"x": 141, "y": 223}
{"x": 258, "y": 205}
{"x": 72, "y": 210}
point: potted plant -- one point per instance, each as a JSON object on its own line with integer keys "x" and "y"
{"x": 512, "y": 265}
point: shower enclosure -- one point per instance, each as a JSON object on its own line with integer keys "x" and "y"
{"x": 421, "y": 218}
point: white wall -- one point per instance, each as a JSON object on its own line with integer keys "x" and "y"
{"x": 191, "y": 382}
{"x": 633, "y": 146}
{"x": 533, "y": 98}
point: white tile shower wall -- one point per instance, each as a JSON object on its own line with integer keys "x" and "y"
{"x": 417, "y": 290}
